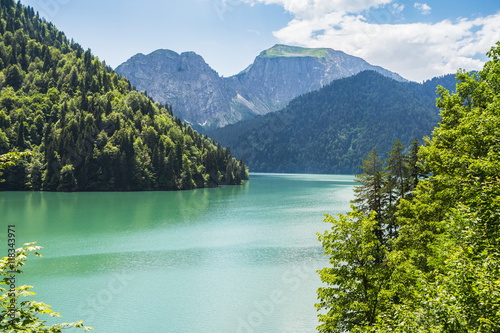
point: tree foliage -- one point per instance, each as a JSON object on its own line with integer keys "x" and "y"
{"x": 444, "y": 258}
{"x": 9, "y": 160}
{"x": 358, "y": 273}
{"x": 359, "y": 245}
{"x": 27, "y": 313}
{"x": 88, "y": 128}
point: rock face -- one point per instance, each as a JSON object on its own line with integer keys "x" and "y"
{"x": 185, "y": 81}
{"x": 206, "y": 100}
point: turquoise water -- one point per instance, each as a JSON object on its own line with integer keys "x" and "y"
{"x": 232, "y": 259}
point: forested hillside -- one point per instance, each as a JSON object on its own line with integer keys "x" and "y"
{"x": 330, "y": 130}
{"x": 87, "y": 127}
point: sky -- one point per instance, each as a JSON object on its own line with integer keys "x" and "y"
{"x": 418, "y": 40}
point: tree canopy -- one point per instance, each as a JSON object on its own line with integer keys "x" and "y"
{"x": 87, "y": 127}
{"x": 442, "y": 263}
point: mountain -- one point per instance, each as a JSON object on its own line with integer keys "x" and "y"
{"x": 330, "y": 130}
{"x": 86, "y": 127}
{"x": 206, "y": 100}
{"x": 185, "y": 81}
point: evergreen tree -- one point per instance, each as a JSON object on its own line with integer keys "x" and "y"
{"x": 397, "y": 170}
{"x": 68, "y": 180}
{"x": 20, "y": 133}
{"x": 14, "y": 76}
{"x": 35, "y": 174}
{"x": 396, "y": 184}
{"x": 369, "y": 194}
{"x": 414, "y": 170}
{"x": 243, "y": 170}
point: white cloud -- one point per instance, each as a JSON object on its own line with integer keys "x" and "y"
{"x": 417, "y": 51}
{"x": 424, "y": 8}
{"x": 397, "y": 8}
{"x": 254, "y": 31}
{"x": 309, "y": 9}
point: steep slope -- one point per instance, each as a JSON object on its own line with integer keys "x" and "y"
{"x": 284, "y": 72}
{"x": 330, "y": 130}
{"x": 207, "y": 101}
{"x": 86, "y": 126}
{"x": 183, "y": 80}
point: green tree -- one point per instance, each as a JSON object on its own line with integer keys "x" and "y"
{"x": 20, "y": 143}
{"x": 68, "y": 180}
{"x": 27, "y": 312}
{"x": 443, "y": 270}
{"x": 369, "y": 194}
{"x": 4, "y": 142}
{"x": 446, "y": 258}
{"x": 9, "y": 160}
{"x": 244, "y": 172}
{"x": 397, "y": 171}
{"x": 414, "y": 169}
{"x": 358, "y": 274}
{"x": 36, "y": 174}
{"x": 395, "y": 184}
{"x": 14, "y": 76}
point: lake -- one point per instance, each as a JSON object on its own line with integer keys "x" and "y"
{"x": 230, "y": 259}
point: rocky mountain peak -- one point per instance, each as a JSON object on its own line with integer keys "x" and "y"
{"x": 206, "y": 100}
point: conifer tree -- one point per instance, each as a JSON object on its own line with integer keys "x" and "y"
{"x": 414, "y": 171}
{"x": 396, "y": 185}
{"x": 20, "y": 133}
{"x": 369, "y": 193}
{"x": 243, "y": 170}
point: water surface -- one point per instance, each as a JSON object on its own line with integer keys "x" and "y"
{"x": 232, "y": 259}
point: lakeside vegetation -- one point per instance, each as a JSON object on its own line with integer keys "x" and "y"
{"x": 18, "y": 312}
{"x": 87, "y": 127}
{"x": 419, "y": 254}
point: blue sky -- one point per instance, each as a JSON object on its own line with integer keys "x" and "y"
{"x": 417, "y": 39}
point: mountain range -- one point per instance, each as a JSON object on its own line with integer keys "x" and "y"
{"x": 207, "y": 101}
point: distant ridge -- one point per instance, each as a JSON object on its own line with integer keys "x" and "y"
{"x": 207, "y": 101}
{"x": 330, "y": 130}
